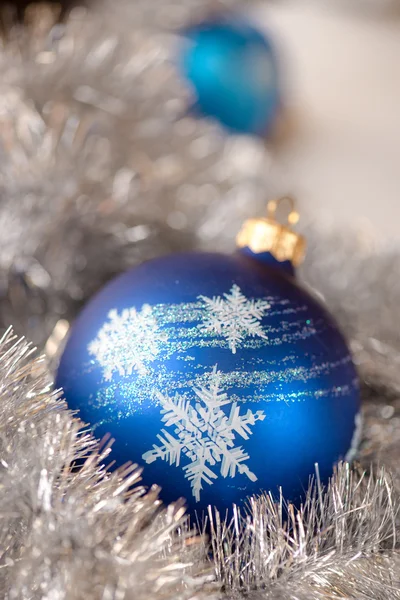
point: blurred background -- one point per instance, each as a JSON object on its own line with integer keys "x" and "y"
{"x": 340, "y": 75}
{"x": 343, "y": 84}
{"x": 99, "y": 148}
{"x": 341, "y": 79}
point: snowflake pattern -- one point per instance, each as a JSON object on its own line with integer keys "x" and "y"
{"x": 205, "y": 434}
{"x": 234, "y": 317}
{"x": 127, "y": 342}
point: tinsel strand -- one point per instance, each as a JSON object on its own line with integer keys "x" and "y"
{"x": 99, "y": 150}
{"x": 69, "y": 532}
{"x": 273, "y": 550}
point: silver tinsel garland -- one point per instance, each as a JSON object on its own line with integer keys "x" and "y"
{"x": 279, "y": 552}
{"x": 71, "y": 533}
{"x": 101, "y": 167}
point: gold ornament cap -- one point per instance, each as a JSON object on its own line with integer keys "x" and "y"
{"x": 268, "y": 235}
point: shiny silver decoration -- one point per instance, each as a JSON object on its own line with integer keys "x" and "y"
{"x": 101, "y": 161}
{"x": 69, "y": 532}
{"x": 72, "y": 533}
{"x": 320, "y": 551}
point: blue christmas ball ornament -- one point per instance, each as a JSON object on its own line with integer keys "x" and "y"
{"x": 232, "y": 70}
{"x": 219, "y": 374}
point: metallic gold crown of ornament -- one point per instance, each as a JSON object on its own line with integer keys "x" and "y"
{"x": 266, "y": 234}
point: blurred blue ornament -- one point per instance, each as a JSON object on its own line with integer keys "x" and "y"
{"x": 233, "y": 72}
{"x": 219, "y": 374}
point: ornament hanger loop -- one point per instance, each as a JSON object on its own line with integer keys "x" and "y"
{"x": 293, "y": 216}
{"x": 269, "y": 235}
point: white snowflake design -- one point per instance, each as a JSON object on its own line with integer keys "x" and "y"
{"x": 204, "y": 434}
{"x": 234, "y": 317}
{"x": 127, "y": 342}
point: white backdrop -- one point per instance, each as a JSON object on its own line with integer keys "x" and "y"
{"x": 342, "y": 74}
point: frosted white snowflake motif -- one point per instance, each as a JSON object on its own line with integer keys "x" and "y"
{"x": 204, "y": 434}
{"x": 127, "y": 342}
{"x": 234, "y": 317}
